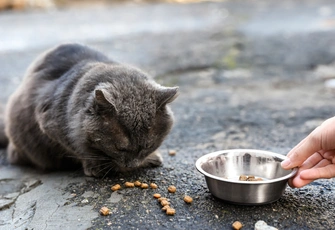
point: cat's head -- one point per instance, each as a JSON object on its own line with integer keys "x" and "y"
{"x": 128, "y": 117}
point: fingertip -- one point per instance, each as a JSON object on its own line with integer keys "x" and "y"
{"x": 286, "y": 163}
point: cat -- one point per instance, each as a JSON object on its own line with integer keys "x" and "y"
{"x": 77, "y": 106}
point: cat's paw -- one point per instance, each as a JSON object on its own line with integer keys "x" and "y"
{"x": 14, "y": 157}
{"x": 153, "y": 160}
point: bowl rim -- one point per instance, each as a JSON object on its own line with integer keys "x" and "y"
{"x": 280, "y": 156}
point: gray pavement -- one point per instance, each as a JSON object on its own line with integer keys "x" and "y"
{"x": 247, "y": 77}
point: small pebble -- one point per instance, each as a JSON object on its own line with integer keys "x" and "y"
{"x": 262, "y": 225}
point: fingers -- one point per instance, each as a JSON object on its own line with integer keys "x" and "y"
{"x": 322, "y": 138}
{"x": 308, "y": 146}
{"x": 310, "y": 171}
{"x": 327, "y": 171}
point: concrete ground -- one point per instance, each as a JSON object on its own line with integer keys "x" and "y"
{"x": 251, "y": 75}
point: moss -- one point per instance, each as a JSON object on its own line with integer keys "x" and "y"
{"x": 230, "y": 60}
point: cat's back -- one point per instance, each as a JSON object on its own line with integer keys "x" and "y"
{"x": 56, "y": 62}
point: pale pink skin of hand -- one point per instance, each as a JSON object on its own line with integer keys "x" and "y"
{"x": 314, "y": 155}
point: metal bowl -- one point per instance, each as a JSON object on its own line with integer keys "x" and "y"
{"x": 222, "y": 170}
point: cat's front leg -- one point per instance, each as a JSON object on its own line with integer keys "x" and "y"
{"x": 15, "y": 157}
{"x": 153, "y": 160}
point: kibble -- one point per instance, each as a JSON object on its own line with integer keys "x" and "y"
{"x": 172, "y": 152}
{"x": 137, "y": 183}
{"x": 115, "y": 187}
{"x": 165, "y": 207}
{"x": 172, "y": 189}
{"x": 129, "y": 185}
{"x": 157, "y": 195}
{"x": 153, "y": 186}
{"x": 188, "y": 199}
{"x": 237, "y": 225}
{"x": 249, "y": 178}
{"x": 165, "y": 202}
{"x": 170, "y": 211}
{"x": 104, "y": 211}
{"x": 144, "y": 186}
{"x": 162, "y": 198}
{"x": 243, "y": 178}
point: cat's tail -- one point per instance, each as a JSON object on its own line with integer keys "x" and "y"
{"x": 3, "y": 137}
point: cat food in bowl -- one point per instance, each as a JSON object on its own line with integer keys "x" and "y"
{"x": 223, "y": 169}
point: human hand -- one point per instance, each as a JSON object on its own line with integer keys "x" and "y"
{"x": 314, "y": 155}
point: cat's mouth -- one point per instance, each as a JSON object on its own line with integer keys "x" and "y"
{"x": 129, "y": 166}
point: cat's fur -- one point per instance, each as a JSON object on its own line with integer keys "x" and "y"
{"x": 77, "y": 106}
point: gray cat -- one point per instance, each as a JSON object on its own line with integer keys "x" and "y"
{"x": 76, "y": 106}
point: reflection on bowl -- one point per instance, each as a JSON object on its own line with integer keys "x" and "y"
{"x": 222, "y": 170}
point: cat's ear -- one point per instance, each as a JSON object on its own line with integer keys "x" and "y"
{"x": 166, "y": 95}
{"x": 104, "y": 100}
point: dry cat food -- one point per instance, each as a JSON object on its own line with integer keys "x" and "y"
{"x": 157, "y": 195}
{"x": 172, "y": 189}
{"x": 144, "y": 186}
{"x": 188, "y": 199}
{"x": 165, "y": 202}
{"x": 137, "y": 183}
{"x": 249, "y": 178}
{"x": 115, "y": 187}
{"x": 165, "y": 207}
{"x": 104, "y": 211}
{"x": 170, "y": 211}
{"x": 237, "y": 225}
{"x": 153, "y": 186}
{"x": 129, "y": 185}
{"x": 172, "y": 152}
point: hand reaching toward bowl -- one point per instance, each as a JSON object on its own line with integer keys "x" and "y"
{"x": 314, "y": 155}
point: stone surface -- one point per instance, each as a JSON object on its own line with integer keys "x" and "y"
{"x": 246, "y": 72}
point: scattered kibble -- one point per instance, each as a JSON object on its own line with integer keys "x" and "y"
{"x": 104, "y": 211}
{"x": 115, "y": 187}
{"x": 162, "y": 198}
{"x": 172, "y": 152}
{"x": 188, "y": 199}
{"x": 170, "y": 211}
{"x": 129, "y": 185}
{"x": 165, "y": 202}
{"x": 157, "y": 195}
{"x": 237, "y": 225}
{"x": 144, "y": 186}
{"x": 165, "y": 207}
{"x": 172, "y": 189}
{"x": 137, "y": 183}
{"x": 153, "y": 186}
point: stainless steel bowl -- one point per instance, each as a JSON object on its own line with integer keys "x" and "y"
{"x": 222, "y": 170}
